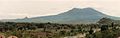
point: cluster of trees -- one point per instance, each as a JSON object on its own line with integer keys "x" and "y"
{"x": 108, "y": 29}
{"x": 57, "y": 30}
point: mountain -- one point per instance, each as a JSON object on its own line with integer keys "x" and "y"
{"x": 73, "y": 16}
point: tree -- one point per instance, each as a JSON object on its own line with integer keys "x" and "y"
{"x": 91, "y": 31}
{"x": 104, "y": 27}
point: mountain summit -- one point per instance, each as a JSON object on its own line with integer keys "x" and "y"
{"x": 73, "y": 16}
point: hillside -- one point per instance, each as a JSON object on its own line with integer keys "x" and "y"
{"x": 73, "y": 16}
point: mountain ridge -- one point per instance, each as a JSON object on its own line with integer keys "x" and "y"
{"x": 73, "y": 16}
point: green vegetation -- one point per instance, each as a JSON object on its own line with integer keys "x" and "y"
{"x": 101, "y": 29}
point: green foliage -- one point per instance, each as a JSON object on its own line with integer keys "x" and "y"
{"x": 91, "y": 31}
{"x": 54, "y": 30}
{"x": 104, "y": 27}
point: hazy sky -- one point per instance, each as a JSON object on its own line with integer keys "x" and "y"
{"x": 10, "y": 9}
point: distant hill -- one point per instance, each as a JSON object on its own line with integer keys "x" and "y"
{"x": 73, "y": 16}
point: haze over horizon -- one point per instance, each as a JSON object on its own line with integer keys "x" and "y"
{"x": 11, "y": 9}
